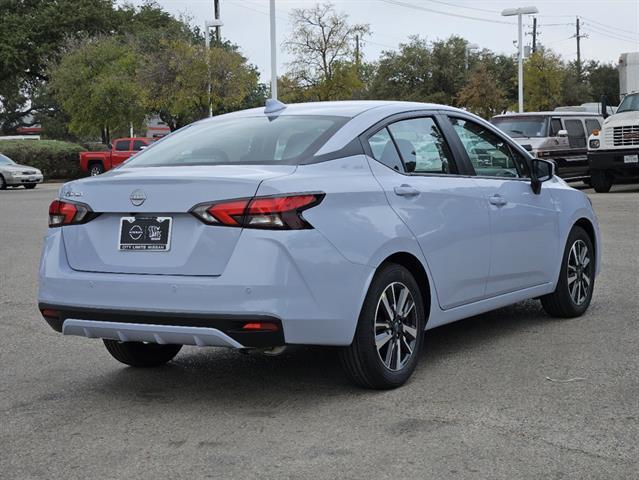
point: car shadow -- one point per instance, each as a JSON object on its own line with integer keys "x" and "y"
{"x": 309, "y": 373}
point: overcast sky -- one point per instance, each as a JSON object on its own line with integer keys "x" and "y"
{"x": 611, "y": 26}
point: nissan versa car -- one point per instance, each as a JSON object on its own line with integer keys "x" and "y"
{"x": 352, "y": 224}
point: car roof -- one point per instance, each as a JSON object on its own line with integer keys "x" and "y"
{"x": 349, "y": 108}
{"x": 549, "y": 114}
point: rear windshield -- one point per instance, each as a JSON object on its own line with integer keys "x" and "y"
{"x": 522, "y": 127}
{"x": 244, "y": 141}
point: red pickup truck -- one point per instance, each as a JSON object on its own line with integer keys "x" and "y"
{"x": 95, "y": 163}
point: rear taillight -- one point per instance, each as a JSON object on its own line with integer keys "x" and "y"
{"x": 67, "y": 213}
{"x": 283, "y": 212}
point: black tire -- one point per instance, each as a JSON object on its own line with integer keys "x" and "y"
{"x": 30, "y": 186}
{"x": 361, "y": 360}
{"x": 561, "y": 303}
{"x": 3, "y": 183}
{"x": 588, "y": 182}
{"x": 138, "y": 354}
{"x": 96, "y": 168}
{"x": 601, "y": 181}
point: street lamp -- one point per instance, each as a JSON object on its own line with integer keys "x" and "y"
{"x": 217, "y": 23}
{"x": 470, "y": 47}
{"x": 511, "y": 12}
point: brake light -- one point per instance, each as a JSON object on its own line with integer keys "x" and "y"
{"x": 261, "y": 327}
{"x": 67, "y": 213}
{"x": 277, "y": 212}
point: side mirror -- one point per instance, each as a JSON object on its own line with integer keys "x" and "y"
{"x": 562, "y": 133}
{"x": 110, "y": 146}
{"x": 542, "y": 171}
{"x": 604, "y": 106}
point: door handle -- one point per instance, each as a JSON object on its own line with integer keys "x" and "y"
{"x": 406, "y": 191}
{"x": 498, "y": 200}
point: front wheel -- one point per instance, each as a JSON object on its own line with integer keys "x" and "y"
{"x": 138, "y": 354}
{"x": 3, "y": 183}
{"x": 389, "y": 334}
{"x": 601, "y": 181}
{"x": 576, "y": 282}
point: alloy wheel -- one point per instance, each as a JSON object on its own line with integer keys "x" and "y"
{"x": 395, "y": 326}
{"x": 579, "y": 272}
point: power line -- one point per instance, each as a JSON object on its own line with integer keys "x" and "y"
{"x": 609, "y": 27}
{"x": 604, "y": 34}
{"x": 612, "y": 34}
{"x": 399, "y": 3}
{"x": 463, "y": 6}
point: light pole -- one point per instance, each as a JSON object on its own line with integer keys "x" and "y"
{"x": 519, "y": 12}
{"x": 217, "y": 23}
{"x": 470, "y": 47}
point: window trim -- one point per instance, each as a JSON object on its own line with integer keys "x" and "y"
{"x": 435, "y": 115}
{"x": 512, "y": 146}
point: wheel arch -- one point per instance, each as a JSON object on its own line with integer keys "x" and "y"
{"x": 416, "y": 268}
{"x": 587, "y": 225}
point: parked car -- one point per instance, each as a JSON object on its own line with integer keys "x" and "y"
{"x": 318, "y": 224}
{"x": 559, "y": 136}
{"x": 14, "y": 175}
{"x": 96, "y": 163}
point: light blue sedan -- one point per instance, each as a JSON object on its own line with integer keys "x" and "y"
{"x": 352, "y": 224}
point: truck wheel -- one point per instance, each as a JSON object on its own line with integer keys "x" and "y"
{"x": 601, "y": 181}
{"x": 96, "y": 168}
{"x": 138, "y": 354}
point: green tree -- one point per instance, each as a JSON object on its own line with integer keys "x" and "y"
{"x": 482, "y": 95}
{"x": 604, "y": 80}
{"x": 575, "y": 87}
{"x": 404, "y": 74}
{"x": 173, "y": 80}
{"x": 325, "y": 56}
{"x": 544, "y": 74}
{"x": 95, "y": 83}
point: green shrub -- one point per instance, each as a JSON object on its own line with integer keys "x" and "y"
{"x": 56, "y": 159}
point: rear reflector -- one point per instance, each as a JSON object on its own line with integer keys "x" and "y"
{"x": 261, "y": 327}
{"x": 277, "y": 212}
{"x": 49, "y": 313}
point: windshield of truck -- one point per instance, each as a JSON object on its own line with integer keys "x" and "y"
{"x": 522, "y": 127}
{"x": 629, "y": 104}
{"x": 241, "y": 141}
{"x": 6, "y": 160}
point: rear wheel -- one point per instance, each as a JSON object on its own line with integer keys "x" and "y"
{"x": 389, "y": 334}
{"x": 601, "y": 181}
{"x": 138, "y": 354}
{"x": 95, "y": 169}
{"x": 30, "y": 186}
{"x": 576, "y": 282}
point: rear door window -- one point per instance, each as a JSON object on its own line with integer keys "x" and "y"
{"x": 576, "y": 135}
{"x": 122, "y": 145}
{"x": 384, "y": 150}
{"x": 422, "y": 146}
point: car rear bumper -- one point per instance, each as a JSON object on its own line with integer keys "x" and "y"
{"x": 164, "y": 327}
{"x": 614, "y": 160}
{"x": 296, "y": 279}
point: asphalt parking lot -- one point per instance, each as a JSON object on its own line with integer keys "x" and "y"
{"x": 480, "y": 404}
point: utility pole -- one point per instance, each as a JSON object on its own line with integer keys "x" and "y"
{"x": 218, "y": 33}
{"x": 534, "y": 33}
